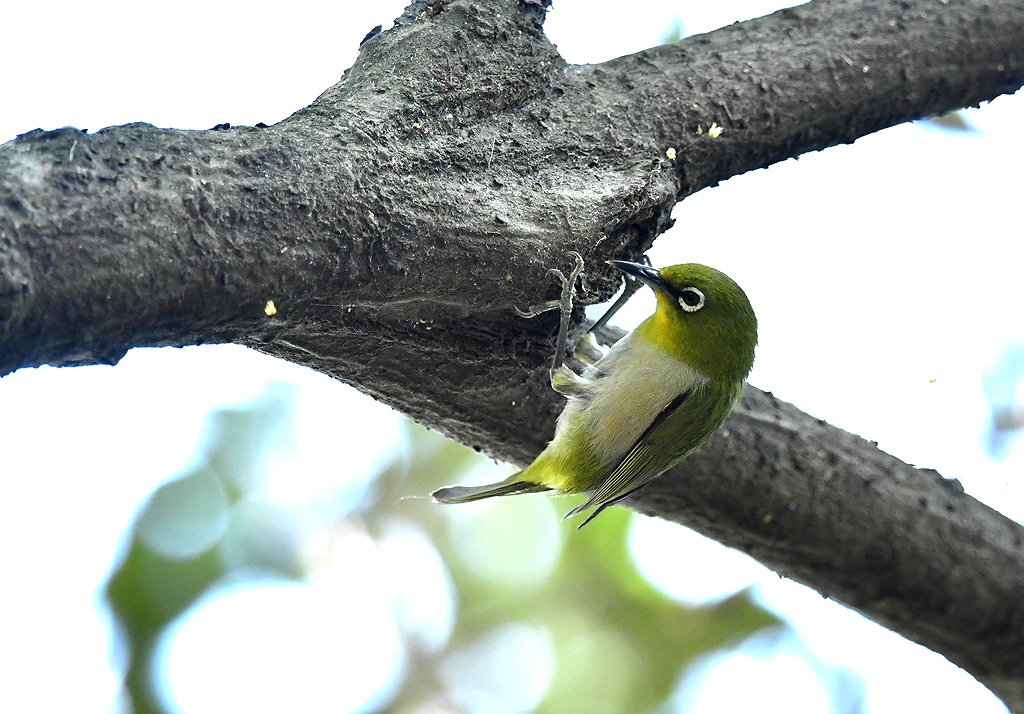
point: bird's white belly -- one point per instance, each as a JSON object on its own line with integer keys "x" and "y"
{"x": 631, "y": 385}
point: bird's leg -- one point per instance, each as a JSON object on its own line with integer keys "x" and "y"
{"x": 632, "y": 285}
{"x": 565, "y": 305}
{"x": 563, "y": 380}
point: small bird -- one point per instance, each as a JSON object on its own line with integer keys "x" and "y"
{"x": 658, "y": 395}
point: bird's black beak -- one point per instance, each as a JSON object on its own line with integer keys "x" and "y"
{"x": 647, "y": 274}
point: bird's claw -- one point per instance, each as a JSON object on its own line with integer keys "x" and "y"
{"x": 577, "y": 269}
{"x": 587, "y": 349}
{"x": 566, "y": 294}
{"x": 538, "y": 309}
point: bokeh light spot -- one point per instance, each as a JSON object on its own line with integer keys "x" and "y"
{"x": 513, "y": 541}
{"x": 424, "y": 592}
{"x": 756, "y": 677}
{"x": 202, "y": 497}
{"x": 506, "y": 670}
{"x": 278, "y": 647}
{"x": 686, "y": 565}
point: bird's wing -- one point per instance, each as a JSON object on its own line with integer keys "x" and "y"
{"x": 674, "y": 433}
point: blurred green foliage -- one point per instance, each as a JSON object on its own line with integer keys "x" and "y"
{"x": 617, "y": 643}
{"x": 195, "y": 532}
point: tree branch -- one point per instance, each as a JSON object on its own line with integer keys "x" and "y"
{"x": 814, "y": 76}
{"x": 397, "y": 220}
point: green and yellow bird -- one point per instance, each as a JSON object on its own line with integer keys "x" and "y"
{"x": 658, "y": 395}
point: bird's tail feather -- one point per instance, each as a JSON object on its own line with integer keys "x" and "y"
{"x": 465, "y": 494}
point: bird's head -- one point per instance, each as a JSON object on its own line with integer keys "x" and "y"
{"x": 704, "y": 318}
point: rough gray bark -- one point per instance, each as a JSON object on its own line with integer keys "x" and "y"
{"x": 395, "y": 221}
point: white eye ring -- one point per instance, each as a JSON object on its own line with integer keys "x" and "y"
{"x": 691, "y": 292}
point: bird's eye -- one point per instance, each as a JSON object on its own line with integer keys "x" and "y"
{"x": 691, "y": 299}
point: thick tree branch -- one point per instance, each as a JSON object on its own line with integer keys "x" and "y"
{"x": 814, "y": 76}
{"x": 396, "y": 220}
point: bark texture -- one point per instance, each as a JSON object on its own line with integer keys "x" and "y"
{"x": 396, "y": 220}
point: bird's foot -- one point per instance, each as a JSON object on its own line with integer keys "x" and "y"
{"x": 569, "y": 384}
{"x": 587, "y": 349}
{"x": 562, "y": 303}
{"x": 565, "y": 305}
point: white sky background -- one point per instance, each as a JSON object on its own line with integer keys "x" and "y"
{"x": 875, "y": 269}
